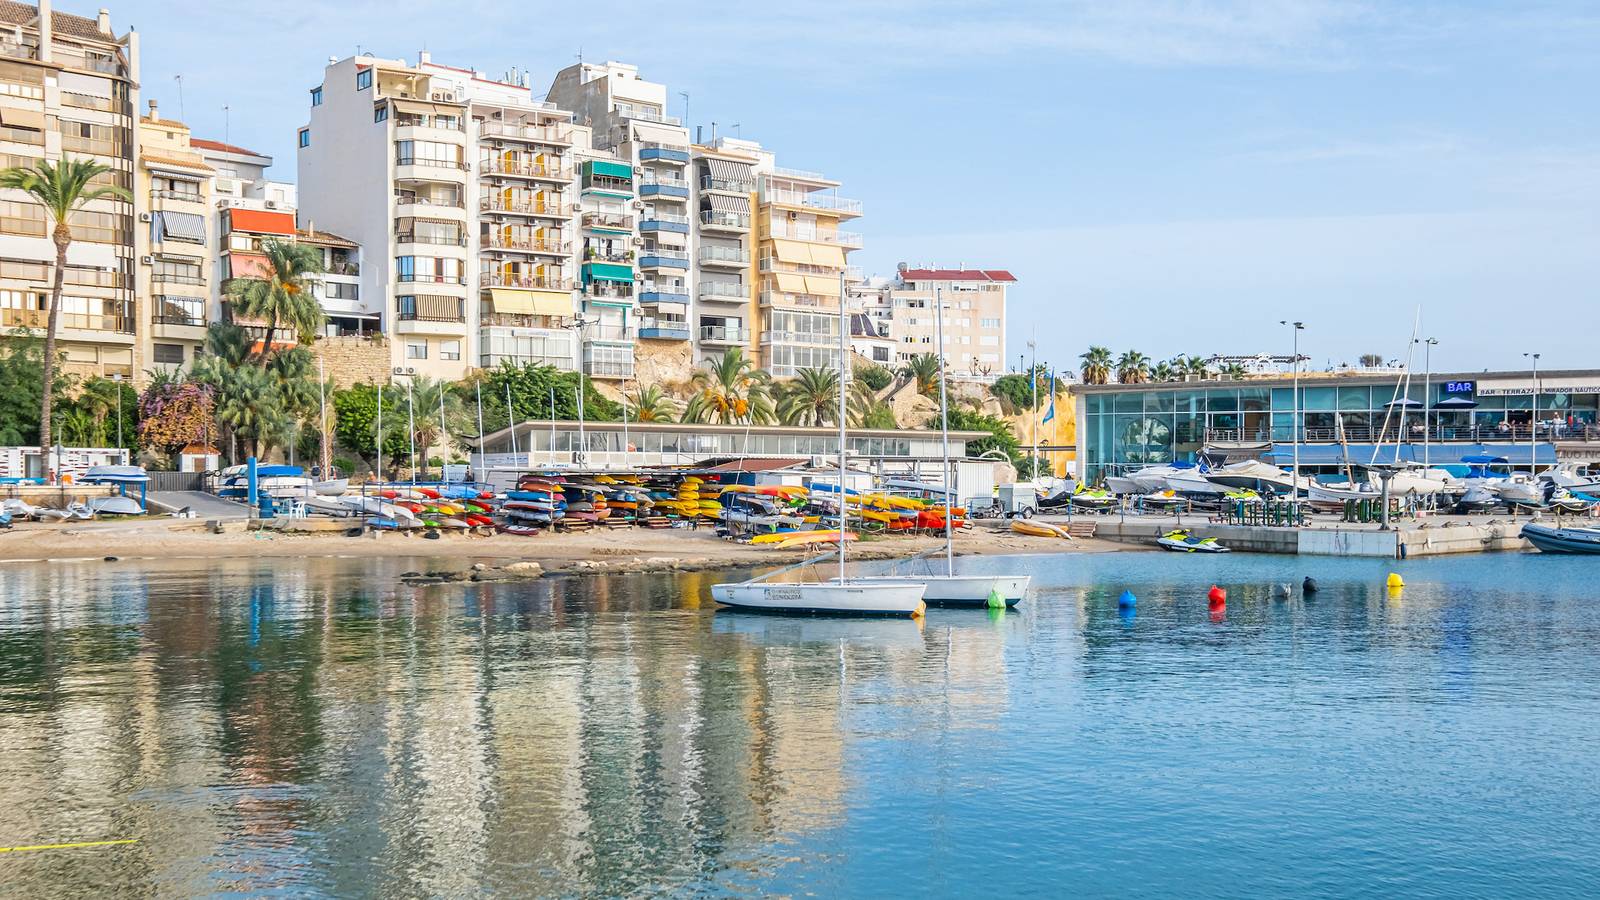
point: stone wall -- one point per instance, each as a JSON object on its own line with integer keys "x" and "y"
{"x": 353, "y": 360}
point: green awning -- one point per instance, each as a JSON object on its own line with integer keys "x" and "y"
{"x": 608, "y": 272}
{"x": 612, "y": 169}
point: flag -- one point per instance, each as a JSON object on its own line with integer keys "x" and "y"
{"x": 1051, "y": 412}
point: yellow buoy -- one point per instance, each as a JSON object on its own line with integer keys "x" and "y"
{"x": 1395, "y": 581}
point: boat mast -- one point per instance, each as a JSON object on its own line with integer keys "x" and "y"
{"x": 843, "y": 357}
{"x": 944, "y": 430}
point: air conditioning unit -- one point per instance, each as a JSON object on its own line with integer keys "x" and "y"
{"x": 638, "y": 171}
{"x": 146, "y": 260}
{"x": 411, "y": 370}
{"x": 638, "y": 242}
{"x": 577, "y": 207}
{"x": 405, "y": 370}
{"x": 272, "y": 204}
{"x": 144, "y": 217}
{"x": 444, "y": 96}
{"x": 638, "y": 204}
{"x": 224, "y": 203}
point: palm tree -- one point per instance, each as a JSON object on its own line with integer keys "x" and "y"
{"x": 811, "y": 399}
{"x": 1235, "y": 371}
{"x": 650, "y": 404}
{"x": 1194, "y": 364}
{"x": 1096, "y": 365}
{"x": 1133, "y": 367}
{"x": 863, "y": 409}
{"x": 730, "y": 389}
{"x": 1162, "y": 371}
{"x": 425, "y": 397}
{"x": 925, "y": 370}
{"x": 283, "y": 296}
{"x": 248, "y": 406}
{"x": 62, "y": 189}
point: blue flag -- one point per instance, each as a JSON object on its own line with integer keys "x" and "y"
{"x": 1051, "y": 412}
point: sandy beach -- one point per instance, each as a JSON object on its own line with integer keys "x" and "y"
{"x": 625, "y": 549}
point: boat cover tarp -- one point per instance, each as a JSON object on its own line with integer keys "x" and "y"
{"x": 1438, "y": 454}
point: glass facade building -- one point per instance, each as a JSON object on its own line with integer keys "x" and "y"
{"x": 1123, "y": 427}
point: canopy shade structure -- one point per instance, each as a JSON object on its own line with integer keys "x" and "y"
{"x": 610, "y": 169}
{"x": 182, "y": 226}
{"x": 531, "y": 303}
{"x": 728, "y": 170}
{"x": 1404, "y": 403}
{"x": 722, "y": 203}
{"x": 1438, "y": 454}
{"x": 1456, "y": 403}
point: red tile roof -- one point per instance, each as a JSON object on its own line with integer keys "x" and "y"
{"x": 220, "y": 147}
{"x": 957, "y": 275}
{"x": 27, "y": 15}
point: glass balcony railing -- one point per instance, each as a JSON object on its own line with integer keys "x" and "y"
{"x": 546, "y": 134}
{"x": 726, "y": 334}
{"x": 711, "y": 218}
{"x": 724, "y": 256}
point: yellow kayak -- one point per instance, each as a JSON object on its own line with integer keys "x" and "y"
{"x": 1039, "y": 529}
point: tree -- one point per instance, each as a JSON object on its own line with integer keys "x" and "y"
{"x": 730, "y": 389}
{"x": 1096, "y": 365}
{"x": 423, "y": 410}
{"x": 650, "y": 404}
{"x": 925, "y": 369}
{"x": 531, "y": 388}
{"x": 249, "y": 406}
{"x": 1016, "y": 392}
{"x": 1000, "y": 437}
{"x": 863, "y": 409}
{"x": 283, "y": 295}
{"x": 21, "y": 374}
{"x": 1194, "y": 364}
{"x": 62, "y": 189}
{"x": 1133, "y": 367}
{"x": 873, "y": 376}
{"x": 1162, "y": 371}
{"x": 1371, "y": 360}
{"x": 100, "y": 400}
{"x": 1234, "y": 371}
{"x": 174, "y": 414}
{"x": 811, "y": 399}
{"x": 355, "y": 422}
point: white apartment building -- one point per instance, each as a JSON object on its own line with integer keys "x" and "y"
{"x": 902, "y": 311}
{"x": 69, "y": 86}
{"x": 725, "y": 312}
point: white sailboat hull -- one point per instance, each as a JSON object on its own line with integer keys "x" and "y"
{"x": 823, "y": 598}
{"x": 1120, "y": 484}
{"x": 958, "y": 590}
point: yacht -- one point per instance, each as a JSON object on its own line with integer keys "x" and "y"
{"x": 1575, "y": 476}
{"x": 1257, "y": 476}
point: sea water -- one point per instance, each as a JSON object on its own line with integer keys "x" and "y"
{"x": 319, "y": 728}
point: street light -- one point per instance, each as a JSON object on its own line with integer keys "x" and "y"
{"x": 1533, "y": 414}
{"x": 1294, "y": 429}
{"x": 1427, "y": 392}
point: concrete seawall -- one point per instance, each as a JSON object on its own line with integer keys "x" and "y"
{"x": 1409, "y": 541}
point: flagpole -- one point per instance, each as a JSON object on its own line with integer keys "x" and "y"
{"x": 322, "y": 397}
{"x": 511, "y": 423}
{"x": 380, "y": 432}
{"x": 444, "y": 435}
{"x": 411, "y": 425}
{"x": 482, "y": 479}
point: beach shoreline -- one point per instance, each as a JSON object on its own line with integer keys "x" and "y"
{"x": 634, "y": 549}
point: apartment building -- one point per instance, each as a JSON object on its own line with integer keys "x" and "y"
{"x": 173, "y": 242}
{"x": 69, "y": 86}
{"x": 636, "y": 238}
{"x": 872, "y": 332}
{"x": 725, "y": 310}
{"x": 801, "y": 261}
{"x": 974, "y": 302}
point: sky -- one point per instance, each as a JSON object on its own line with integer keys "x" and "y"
{"x": 1167, "y": 176}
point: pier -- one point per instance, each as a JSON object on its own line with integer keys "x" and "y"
{"x": 1406, "y": 540}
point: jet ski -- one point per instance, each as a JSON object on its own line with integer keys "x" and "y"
{"x": 1181, "y": 541}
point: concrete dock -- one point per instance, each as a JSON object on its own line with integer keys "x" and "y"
{"x": 1329, "y": 537}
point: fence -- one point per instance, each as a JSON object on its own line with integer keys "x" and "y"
{"x": 177, "y": 481}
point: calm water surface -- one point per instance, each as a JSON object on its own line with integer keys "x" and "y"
{"x": 316, "y": 728}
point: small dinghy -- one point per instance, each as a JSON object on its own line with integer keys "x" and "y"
{"x": 19, "y": 509}
{"x": 1181, "y": 541}
{"x": 115, "y": 506}
{"x": 78, "y": 512}
{"x": 1550, "y": 539}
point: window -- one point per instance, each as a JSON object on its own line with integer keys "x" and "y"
{"x": 380, "y": 114}
{"x": 989, "y": 323}
{"x": 428, "y": 153}
{"x": 339, "y": 290}
{"x": 180, "y": 311}
{"x": 416, "y": 349}
{"x": 364, "y": 81}
{"x": 305, "y": 137}
{"x": 430, "y": 308}
{"x": 316, "y": 96}
{"x": 449, "y": 349}
{"x": 170, "y": 354}
{"x": 101, "y": 227}
{"x": 17, "y": 217}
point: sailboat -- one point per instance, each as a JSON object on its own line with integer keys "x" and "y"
{"x": 948, "y": 588}
{"x": 841, "y": 596}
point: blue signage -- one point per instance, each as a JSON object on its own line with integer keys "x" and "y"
{"x": 1458, "y": 387}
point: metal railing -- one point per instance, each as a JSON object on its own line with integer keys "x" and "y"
{"x": 607, "y": 220}
{"x": 806, "y": 174}
{"x": 658, "y": 145}
{"x": 665, "y": 218}
{"x": 727, "y": 185}
{"x": 502, "y": 167}
{"x": 501, "y": 242}
{"x": 408, "y": 237}
{"x": 716, "y": 219}
{"x": 724, "y": 255}
{"x": 842, "y": 238}
{"x": 430, "y": 163}
{"x": 39, "y": 318}
{"x": 817, "y": 200}
{"x": 431, "y": 309}
{"x": 785, "y": 298}
{"x": 344, "y": 269}
{"x": 415, "y": 278}
{"x": 728, "y": 333}
{"x": 724, "y": 289}
{"x": 186, "y": 196}
{"x": 664, "y": 253}
{"x": 442, "y": 202}
{"x": 177, "y": 278}
{"x": 556, "y": 209}
{"x": 545, "y": 133}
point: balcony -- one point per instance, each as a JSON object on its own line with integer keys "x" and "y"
{"x": 178, "y": 196}
{"x": 663, "y": 258}
{"x": 436, "y": 240}
{"x": 416, "y": 168}
{"x": 677, "y": 189}
{"x": 524, "y": 282}
{"x": 647, "y": 114}
{"x": 601, "y": 368}
{"x": 808, "y": 301}
{"x": 611, "y": 186}
{"x": 724, "y": 221}
{"x": 663, "y": 329}
{"x": 659, "y": 221}
{"x": 723, "y": 291}
{"x": 518, "y": 169}
{"x": 411, "y": 206}
{"x": 724, "y": 334}
{"x": 194, "y": 278}
{"x": 524, "y": 245}
{"x": 538, "y": 134}
{"x": 427, "y": 312}
{"x": 616, "y": 334}
{"x": 612, "y": 293}
{"x": 549, "y": 209}
{"x": 609, "y": 222}
{"x": 726, "y": 185}
{"x": 820, "y": 200}
{"x": 414, "y": 278}
{"x": 655, "y": 150}
{"x": 119, "y": 321}
{"x": 723, "y": 257}
{"x": 344, "y": 268}
{"x": 841, "y": 238}
{"x": 666, "y": 293}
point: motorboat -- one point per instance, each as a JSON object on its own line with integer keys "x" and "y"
{"x": 79, "y": 512}
{"x": 1551, "y": 539}
{"x": 1257, "y": 476}
{"x": 1151, "y": 479}
{"x": 1181, "y": 541}
{"x": 116, "y": 506}
{"x": 1564, "y": 501}
{"x": 331, "y": 488}
{"x": 1122, "y": 485}
{"x": 116, "y": 475}
{"x": 1193, "y": 484}
{"x": 1520, "y": 488}
{"x": 1477, "y": 498}
{"x": 318, "y": 504}
{"x": 1574, "y": 476}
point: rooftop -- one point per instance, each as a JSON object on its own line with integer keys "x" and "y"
{"x": 1553, "y": 380}
{"x": 220, "y": 147}
{"x": 325, "y": 238}
{"x": 991, "y": 275}
{"x": 27, "y": 14}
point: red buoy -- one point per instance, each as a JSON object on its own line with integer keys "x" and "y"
{"x": 1217, "y": 596}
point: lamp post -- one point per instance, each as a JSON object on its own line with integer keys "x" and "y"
{"x": 1533, "y": 415}
{"x": 1294, "y": 428}
{"x": 1427, "y": 394}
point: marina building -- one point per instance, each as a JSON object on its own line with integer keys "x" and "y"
{"x": 1438, "y": 419}
{"x": 69, "y": 86}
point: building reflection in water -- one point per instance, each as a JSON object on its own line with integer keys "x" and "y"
{"x": 318, "y": 726}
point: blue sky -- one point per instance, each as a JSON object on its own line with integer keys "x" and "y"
{"x": 1173, "y": 176}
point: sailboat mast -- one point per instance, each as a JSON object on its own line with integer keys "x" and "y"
{"x": 944, "y": 431}
{"x": 844, "y": 327}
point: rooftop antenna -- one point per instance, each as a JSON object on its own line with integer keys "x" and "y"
{"x": 685, "y": 96}
{"x": 736, "y": 132}
{"x": 225, "y": 119}
{"x": 179, "y": 80}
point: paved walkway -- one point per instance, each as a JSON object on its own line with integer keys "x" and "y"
{"x": 205, "y": 506}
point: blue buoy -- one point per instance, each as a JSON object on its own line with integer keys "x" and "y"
{"x": 1127, "y": 600}
{"x": 1309, "y": 586}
